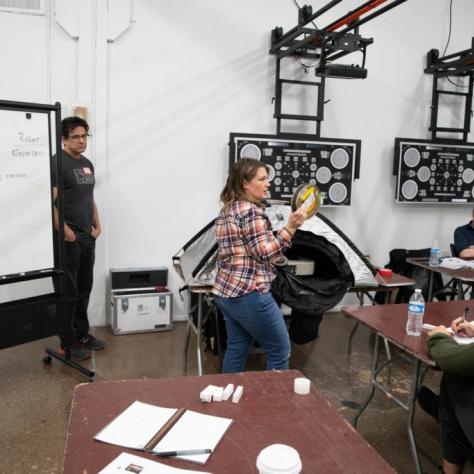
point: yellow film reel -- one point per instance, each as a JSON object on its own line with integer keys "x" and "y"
{"x": 307, "y": 196}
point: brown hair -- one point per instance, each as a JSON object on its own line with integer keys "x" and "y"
{"x": 68, "y": 124}
{"x": 244, "y": 169}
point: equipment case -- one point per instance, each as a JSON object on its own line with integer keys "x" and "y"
{"x": 133, "y": 309}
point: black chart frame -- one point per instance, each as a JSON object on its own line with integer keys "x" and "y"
{"x": 305, "y": 138}
{"x": 439, "y": 142}
{"x": 37, "y": 317}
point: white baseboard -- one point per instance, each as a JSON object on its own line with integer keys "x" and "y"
{"x": 179, "y": 317}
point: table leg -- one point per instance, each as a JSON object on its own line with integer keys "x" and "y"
{"x": 430, "y": 286}
{"x": 351, "y": 336}
{"x": 388, "y": 295}
{"x": 360, "y": 297}
{"x": 190, "y": 327}
{"x": 218, "y": 338}
{"x": 197, "y": 328}
{"x": 411, "y": 414}
{"x": 186, "y": 347}
{"x": 389, "y": 359}
{"x": 375, "y": 360}
{"x": 198, "y": 334}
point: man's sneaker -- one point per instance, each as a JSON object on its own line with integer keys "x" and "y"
{"x": 92, "y": 343}
{"x": 77, "y": 352}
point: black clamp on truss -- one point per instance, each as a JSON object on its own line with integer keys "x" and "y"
{"x": 326, "y": 45}
{"x": 460, "y": 64}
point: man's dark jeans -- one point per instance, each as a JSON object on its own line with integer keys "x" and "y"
{"x": 78, "y": 280}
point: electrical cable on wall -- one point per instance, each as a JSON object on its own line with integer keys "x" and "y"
{"x": 304, "y": 66}
{"x": 299, "y": 8}
{"x": 449, "y": 39}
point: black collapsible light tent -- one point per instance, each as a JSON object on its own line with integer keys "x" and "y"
{"x": 338, "y": 263}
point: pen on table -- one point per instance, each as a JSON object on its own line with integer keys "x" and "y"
{"x": 185, "y": 452}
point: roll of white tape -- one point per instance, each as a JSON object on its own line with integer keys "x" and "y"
{"x": 302, "y": 386}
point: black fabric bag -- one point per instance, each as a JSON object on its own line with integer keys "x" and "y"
{"x": 320, "y": 292}
{"x": 304, "y": 327}
{"x": 311, "y": 296}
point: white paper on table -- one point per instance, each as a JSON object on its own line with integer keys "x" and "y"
{"x": 194, "y": 431}
{"x": 463, "y": 339}
{"x": 459, "y": 339}
{"x": 128, "y": 463}
{"x": 454, "y": 263}
{"x": 135, "y": 426}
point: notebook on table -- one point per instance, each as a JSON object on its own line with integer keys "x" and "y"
{"x": 128, "y": 463}
{"x": 157, "y": 429}
{"x": 459, "y": 339}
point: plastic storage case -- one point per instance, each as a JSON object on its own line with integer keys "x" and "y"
{"x": 136, "y": 309}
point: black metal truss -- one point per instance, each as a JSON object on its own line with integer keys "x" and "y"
{"x": 279, "y": 116}
{"x": 460, "y": 64}
{"x": 336, "y": 40}
{"x": 329, "y": 40}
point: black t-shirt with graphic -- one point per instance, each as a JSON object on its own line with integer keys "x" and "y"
{"x": 78, "y": 193}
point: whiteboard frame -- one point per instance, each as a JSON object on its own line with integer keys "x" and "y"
{"x": 54, "y": 119}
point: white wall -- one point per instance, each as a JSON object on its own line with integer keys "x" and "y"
{"x": 165, "y": 94}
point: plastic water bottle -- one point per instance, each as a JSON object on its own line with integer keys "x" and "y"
{"x": 434, "y": 254}
{"x": 416, "y": 310}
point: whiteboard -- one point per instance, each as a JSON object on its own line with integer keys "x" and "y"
{"x": 26, "y": 220}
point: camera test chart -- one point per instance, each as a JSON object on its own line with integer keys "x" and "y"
{"x": 330, "y": 164}
{"x": 433, "y": 172}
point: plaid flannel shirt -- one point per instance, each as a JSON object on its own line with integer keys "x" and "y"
{"x": 246, "y": 248}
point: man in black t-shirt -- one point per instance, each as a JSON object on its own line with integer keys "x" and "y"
{"x": 81, "y": 229}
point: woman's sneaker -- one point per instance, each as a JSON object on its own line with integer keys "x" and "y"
{"x": 92, "y": 343}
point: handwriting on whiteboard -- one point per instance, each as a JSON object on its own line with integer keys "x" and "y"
{"x": 28, "y": 146}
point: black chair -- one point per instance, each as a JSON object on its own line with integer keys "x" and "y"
{"x": 421, "y": 276}
{"x": 453, "y": 285}
{"x": 450, "y": 289}
{"x": 454, "y": 253}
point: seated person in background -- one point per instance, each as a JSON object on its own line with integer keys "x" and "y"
{"x": 456, "y": 401}
{"x": 464, "y": 239}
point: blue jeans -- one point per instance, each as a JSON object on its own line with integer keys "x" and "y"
{"x": 251, "y": 317}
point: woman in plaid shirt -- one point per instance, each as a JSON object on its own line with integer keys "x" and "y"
{"x": 247, "y": 248}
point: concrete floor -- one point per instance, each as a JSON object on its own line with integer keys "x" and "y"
{"x": 35, "y": 398}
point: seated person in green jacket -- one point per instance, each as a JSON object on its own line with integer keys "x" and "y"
{"x": 456, "y": 403}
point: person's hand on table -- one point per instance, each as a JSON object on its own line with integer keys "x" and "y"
{"x": 439, "y": 329}
{"x": 462, "y": 327}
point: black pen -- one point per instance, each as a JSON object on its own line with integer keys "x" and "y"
{"x": 466, "y": 309}
{"x": 185, "y": 452}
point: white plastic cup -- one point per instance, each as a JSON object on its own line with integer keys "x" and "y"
{"x": 302, "y": 386}
{"x": 279, "y": 459}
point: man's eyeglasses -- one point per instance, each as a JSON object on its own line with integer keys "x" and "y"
{"x": 76, "y": 138}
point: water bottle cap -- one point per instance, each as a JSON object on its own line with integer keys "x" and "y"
{"x": 417, "y": 290}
